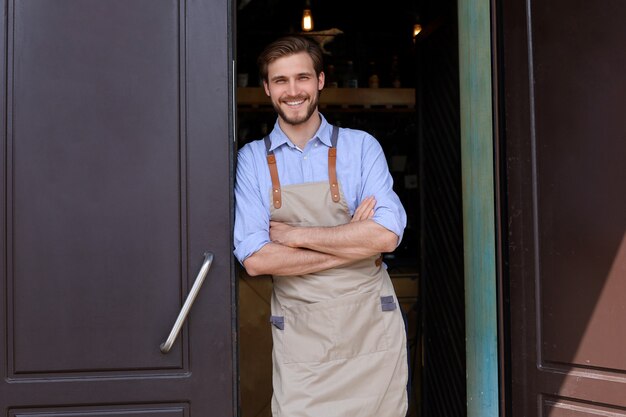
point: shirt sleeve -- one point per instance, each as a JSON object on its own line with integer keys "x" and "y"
{"x": 377, "y": 181}
{"x": 251, "y": 214}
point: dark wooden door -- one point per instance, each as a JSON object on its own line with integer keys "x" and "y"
{"x": 565, "y": 140}
{"x": 116, "y": 180}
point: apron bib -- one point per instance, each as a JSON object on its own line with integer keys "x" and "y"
{"x": 339, "y": 342}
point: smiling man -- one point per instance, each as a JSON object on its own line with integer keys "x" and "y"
{"x": 315, "y": 208}
{"x": 295, "y": 100}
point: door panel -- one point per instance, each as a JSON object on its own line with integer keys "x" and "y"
{"x": 116, "y": 168}
{"x": 115, "y": 411}
{"x": 564, "y": 408}
{"x": 92, "y": 166}
{"x": 564, "y": 100}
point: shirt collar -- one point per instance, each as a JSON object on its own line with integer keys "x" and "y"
{"x": 279, "y": 138}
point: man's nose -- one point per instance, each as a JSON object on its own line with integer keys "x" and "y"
{"x": 292, "y": 88}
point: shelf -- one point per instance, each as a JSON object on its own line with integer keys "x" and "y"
{"x": 341, "y": 98}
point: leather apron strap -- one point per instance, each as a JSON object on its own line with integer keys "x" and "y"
{"x": 332, "y": 169}
{"x": 271, "y": 163}
{"x": 332, "y": 165}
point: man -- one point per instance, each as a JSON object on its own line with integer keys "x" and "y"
{"x": 315, "y": 209}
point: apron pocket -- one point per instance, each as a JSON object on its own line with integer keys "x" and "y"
{"x": 341, "y": 328}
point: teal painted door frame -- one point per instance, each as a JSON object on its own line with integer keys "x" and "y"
{"x": 479, "y": 234}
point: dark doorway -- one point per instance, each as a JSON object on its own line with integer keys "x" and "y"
{"x": 442, "y": 273}
{"x": 414, "y": 113}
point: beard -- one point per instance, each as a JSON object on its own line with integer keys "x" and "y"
{"x": 297, "y": 120}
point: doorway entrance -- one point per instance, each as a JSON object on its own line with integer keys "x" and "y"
{"x": 404, "y": 90}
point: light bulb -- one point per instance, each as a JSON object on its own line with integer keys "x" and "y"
{"x": 417, "y": 28}
{"x": 307, "y": 20}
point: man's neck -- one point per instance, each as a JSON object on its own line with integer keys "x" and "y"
{"x": 300, "y": 134}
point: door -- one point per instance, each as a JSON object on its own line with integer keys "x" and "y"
{"x": 564, "y": 100}
{"x": 116, "y": 181}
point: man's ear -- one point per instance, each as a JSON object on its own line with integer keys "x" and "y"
{"x": 265, "y": 86}
{"x": 320, "y": 80}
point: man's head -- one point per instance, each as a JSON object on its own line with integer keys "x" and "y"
{"x": 290, "y": 45}
{"x": 291, "y": 69}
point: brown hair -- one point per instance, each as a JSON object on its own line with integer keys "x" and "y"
{"x": 287, "y": 46}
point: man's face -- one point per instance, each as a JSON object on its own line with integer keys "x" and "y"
{"x": 293, "y": 87}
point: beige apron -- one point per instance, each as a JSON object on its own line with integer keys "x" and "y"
{"x": 339, "y": 342}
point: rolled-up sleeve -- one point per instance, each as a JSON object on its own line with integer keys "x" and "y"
{"x": 251, "y": 214}
{"x": 377, "y": 181}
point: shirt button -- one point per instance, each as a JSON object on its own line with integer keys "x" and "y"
{"x": 305, "y": 157}
{"x": 316, "y": 145}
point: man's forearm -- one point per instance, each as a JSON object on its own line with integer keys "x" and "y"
{"x": 276, "y": 259}
{"x": 356, "y": 240}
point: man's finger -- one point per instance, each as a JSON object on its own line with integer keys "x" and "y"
{"x": 369, "y": 205}
{"x": 360, "y": 209}
{"x": 363, "y": 211}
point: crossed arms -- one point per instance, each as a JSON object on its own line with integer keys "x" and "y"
{"x": 304, "y": 250}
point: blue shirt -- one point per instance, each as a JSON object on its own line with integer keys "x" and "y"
{"x": 361, "y": 171}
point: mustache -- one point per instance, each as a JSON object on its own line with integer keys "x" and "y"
{"x": 295, "y": 98}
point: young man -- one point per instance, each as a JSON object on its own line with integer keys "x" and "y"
{"x": 315, "y": 209}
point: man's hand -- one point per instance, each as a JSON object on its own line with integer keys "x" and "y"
{"x": 282, "y": 233}
{"x": 365, "y": 210}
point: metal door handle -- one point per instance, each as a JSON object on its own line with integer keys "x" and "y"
{"x": 184, "y": 311}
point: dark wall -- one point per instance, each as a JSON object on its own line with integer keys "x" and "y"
{"x": 442, "y": 279}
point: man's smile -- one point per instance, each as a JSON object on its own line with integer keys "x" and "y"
{"x": 294, "y": 102}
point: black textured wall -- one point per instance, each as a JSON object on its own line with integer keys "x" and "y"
{"x": 444, "y": 393}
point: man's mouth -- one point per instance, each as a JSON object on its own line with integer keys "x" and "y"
{"x": 294, "y": 102}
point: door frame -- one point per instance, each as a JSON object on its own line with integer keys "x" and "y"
{"x": 479, "y": 177}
